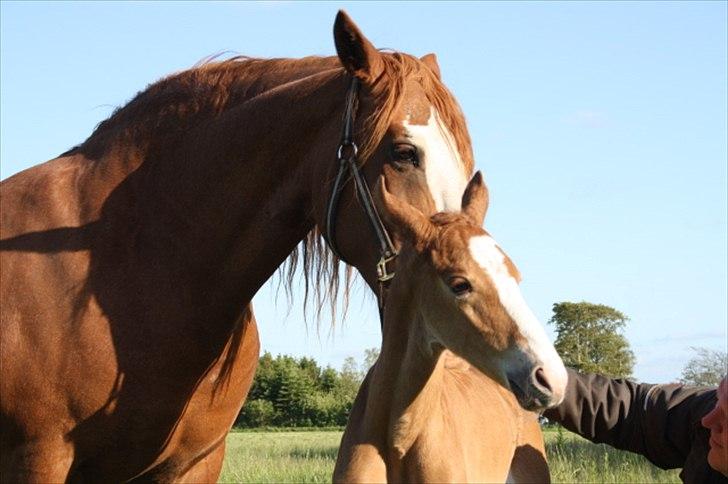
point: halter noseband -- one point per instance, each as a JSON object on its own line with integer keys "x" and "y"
{"x": 347, "y": 157}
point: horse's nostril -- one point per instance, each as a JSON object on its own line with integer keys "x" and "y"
{"x": 541, "y": 380}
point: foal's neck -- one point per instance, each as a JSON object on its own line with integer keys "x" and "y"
{"x": 410, "y": 370}
{"x": 417, "y": 396}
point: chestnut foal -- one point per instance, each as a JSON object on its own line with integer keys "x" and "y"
{"x": 460, "y": 352}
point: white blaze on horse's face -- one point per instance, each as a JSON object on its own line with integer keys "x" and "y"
{"x": 441, "y": 161}
{"x": 538, "y": 349}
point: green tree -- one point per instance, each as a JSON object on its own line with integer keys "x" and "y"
{"x": 706, "y": 368}
{"x": 350, "y": 379}
{"x": 286, "y": 385}
{"x": 257, "y": 413}
{"x": 293, "y": 401}
{"x": 350, "y": 369}
{"x": 328, "y": 379}
{"x": 589, "y": 338}
{"x": 370, "y": 357}
{"x": 294, "y": 392}
{"x": 310, "y": 367}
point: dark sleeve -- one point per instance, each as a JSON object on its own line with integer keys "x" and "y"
{"x": 661, "y": 422}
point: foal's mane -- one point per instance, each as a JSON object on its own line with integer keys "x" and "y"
{"x": 173, "y": 105}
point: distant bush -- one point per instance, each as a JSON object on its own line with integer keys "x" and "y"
{"x": 257, "y": 413}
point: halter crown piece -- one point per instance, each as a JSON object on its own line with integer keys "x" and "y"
{"x": 347, "y": 157}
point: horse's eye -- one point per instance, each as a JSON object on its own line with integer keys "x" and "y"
{"x": 405, "y": 153}
{"x": 460, "y": 286}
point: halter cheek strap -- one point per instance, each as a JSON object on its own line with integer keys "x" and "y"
{"x": 347, "y": 160}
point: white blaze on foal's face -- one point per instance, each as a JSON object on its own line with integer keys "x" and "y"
{"x": 440, "y": 159}
{"x": 492, "y": 260}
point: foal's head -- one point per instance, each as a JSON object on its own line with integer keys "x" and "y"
{"x": 467, "y": 299}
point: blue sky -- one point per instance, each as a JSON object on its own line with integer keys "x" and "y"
{"x": 600, "y": 128}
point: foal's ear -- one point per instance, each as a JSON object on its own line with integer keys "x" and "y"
{"x": 475, "y": 199}
{"x": 357, "y": 54}
{"x": 403, "y": 218}
{"x": 430, "y": 60}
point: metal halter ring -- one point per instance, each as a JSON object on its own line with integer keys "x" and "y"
{"x": 350, "y": 145}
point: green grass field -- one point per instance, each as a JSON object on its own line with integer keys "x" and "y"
{"x": 310, "y": 457}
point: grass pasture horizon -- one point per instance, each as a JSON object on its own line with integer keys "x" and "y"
{"x": 272, "y": 456}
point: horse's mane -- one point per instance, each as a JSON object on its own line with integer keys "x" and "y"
{"x": 174, "y": 104}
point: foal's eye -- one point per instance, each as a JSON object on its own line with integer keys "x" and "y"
{"x": 460, "y": 286}
{"x": 405, "y": 153}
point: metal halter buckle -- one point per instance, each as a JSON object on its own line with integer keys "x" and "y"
{"x": 382, "y": 274}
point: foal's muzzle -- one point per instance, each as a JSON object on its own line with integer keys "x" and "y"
{"x": 535, "y": 391}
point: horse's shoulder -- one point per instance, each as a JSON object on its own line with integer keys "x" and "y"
{"x": 45, "y": 194}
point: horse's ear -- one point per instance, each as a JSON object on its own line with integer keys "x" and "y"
{"x": 475, "y": 199}
{"x": 357, "y": 54}
{"x": 404, "y": 219}
{"x": 430, "y": 60}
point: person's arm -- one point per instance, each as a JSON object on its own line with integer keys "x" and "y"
{"x": 661, "y": 422}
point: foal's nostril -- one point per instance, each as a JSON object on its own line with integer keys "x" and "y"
{"x": 541, "y": 381}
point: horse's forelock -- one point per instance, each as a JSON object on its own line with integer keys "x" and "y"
{"x": 399, "y": 68}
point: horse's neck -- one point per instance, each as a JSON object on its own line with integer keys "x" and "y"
{"x": 276, "y": 181}
{"x": 229, "y": 199}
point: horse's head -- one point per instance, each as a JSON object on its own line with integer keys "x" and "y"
{"x": 465, "y": 292}
{"x": 406, "y": 119}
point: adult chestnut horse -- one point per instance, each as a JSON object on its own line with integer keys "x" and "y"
{"x": 424, "y": 414}
{"x": 129, "y": 262}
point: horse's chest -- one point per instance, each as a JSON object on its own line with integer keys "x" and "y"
{"x": 161, "y": 433}
{"x": 213, "y": 406}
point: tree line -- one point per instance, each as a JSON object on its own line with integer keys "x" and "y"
{"x": 297, "y": 392}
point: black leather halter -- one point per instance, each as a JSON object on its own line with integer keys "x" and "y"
{"x": 347, "y": 157}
